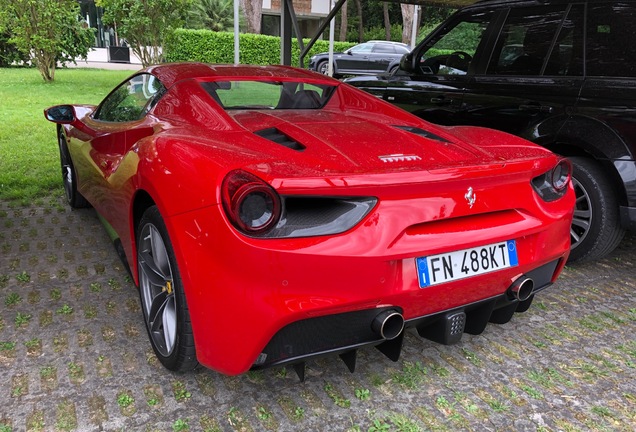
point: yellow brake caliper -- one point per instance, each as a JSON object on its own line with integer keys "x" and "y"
{"x": 168, "y": 287}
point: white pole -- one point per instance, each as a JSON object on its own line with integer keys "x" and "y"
{"x": 414, "y": 29}
{"x": 236, "y": 32}
{"x": 332, "y": 29}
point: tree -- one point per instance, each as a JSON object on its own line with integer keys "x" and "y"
{"x": 145, "y": 23}
{"x": 46, "y": 32}
{"x": 215, "y": 15}
{"x": 360, "y": 23}
{"x": 253, "y": 9}
{"x": 387, "y": 20}
{"x": 343, "y": 22}
{"x": 408, "y": 13}
{"x": 8, "y": 51}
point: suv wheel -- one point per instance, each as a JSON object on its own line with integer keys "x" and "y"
{"x": 596, "y": 228}
{"x": 323, "y": 67}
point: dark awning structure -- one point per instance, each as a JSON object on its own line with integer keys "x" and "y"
{"x": 289, "y": 22}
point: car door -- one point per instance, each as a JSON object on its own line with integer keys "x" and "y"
{"x": 608, "y": 96}
{"x": 117, "y": 124}
{"x": 441, "y": 68}
{"x": 531, "y": 83}
{"x": 354, "y": 59}
{"x": 380, "y": 57}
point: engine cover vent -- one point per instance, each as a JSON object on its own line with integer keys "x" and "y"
{"x": 273, "y": 134}
{"x": 421, "y": 132}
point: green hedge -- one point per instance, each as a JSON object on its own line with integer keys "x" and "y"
{"x": 218, "y": 47}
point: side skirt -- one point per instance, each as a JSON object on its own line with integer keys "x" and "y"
{"x": 119, "y": 248}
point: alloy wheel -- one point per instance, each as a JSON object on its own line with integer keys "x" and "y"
{"x": 324, "y": 68}
{"x": 157, "y": 290}
{"x": 583, "y": 215}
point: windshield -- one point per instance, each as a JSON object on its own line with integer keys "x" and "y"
{"x": 234, "y": 95}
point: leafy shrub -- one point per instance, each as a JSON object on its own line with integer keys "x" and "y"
{"x": 9, "y": 53}
{"x": 218, "y": 47}
{"x": 425, "y": 30}
{"x": 464, "y": 37}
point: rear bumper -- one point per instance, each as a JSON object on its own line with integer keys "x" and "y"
{"x": 313, "y": 65}
{"x": 628, "y": 218}
{"x": 626, "y": 169}
{"x": 249, "y": 297}
{"x": 347, "y": 332}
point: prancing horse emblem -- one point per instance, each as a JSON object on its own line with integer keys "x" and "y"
{"x": 471, "y": 197}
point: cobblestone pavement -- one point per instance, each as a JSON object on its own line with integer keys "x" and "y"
{"x": 74, "y": 355}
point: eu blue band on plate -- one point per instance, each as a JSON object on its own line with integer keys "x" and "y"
{"x": 422, "y": 271}
{"x": 512, "y": 253}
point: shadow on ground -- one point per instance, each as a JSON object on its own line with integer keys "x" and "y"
{"x": 74, "y": 355}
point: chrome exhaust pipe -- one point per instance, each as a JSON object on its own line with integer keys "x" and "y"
{"x": 521, "y": 289}
{"x": 388, "y": 324}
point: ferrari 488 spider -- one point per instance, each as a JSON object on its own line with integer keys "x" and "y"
{"x": 270, "y": 215}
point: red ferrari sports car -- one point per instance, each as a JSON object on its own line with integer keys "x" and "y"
{"x": 271, "y": 214}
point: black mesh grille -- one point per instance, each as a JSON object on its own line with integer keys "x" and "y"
{"x": 457, "y": 323}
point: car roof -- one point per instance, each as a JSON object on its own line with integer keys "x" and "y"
{"x": 386, "y": 42}
{"x": 171, "y": 73}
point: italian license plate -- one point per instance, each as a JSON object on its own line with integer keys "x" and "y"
{"x": 452, "y": 266}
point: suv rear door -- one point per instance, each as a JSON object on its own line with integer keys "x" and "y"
{"x": 605, "y": 120}
{"x": 354, "y": 59}
{"x": 381, "y": 56}
{"x": 532, "y": 81}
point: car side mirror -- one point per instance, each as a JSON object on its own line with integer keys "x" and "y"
{"x": 406, "y": 63}
{"x": 61, "y": 114}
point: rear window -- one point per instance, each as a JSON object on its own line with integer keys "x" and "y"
{"x": 611, "y": 40}
{"x": 526, "y": 40}
{"x": 384, "y": 48}
{"x": 235, "y": 95}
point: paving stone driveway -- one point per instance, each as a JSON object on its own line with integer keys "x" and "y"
{"x": 74, "y": 355}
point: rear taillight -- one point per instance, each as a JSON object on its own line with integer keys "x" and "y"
{"x": 553, "y": 184}
{"x": 251, "y": 205}
{"x": 561, "y": 175}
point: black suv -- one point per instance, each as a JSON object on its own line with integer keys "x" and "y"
{"x": 559, "y": 73}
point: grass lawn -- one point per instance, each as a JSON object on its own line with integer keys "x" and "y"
{"x": 29, "y": 161}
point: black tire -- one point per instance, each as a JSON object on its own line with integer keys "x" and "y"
{"x": 596, "y": 228}
{"x": 323, "y": 68}
{"x": 69, "y": 177}
{"x": 163, "y": 301}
